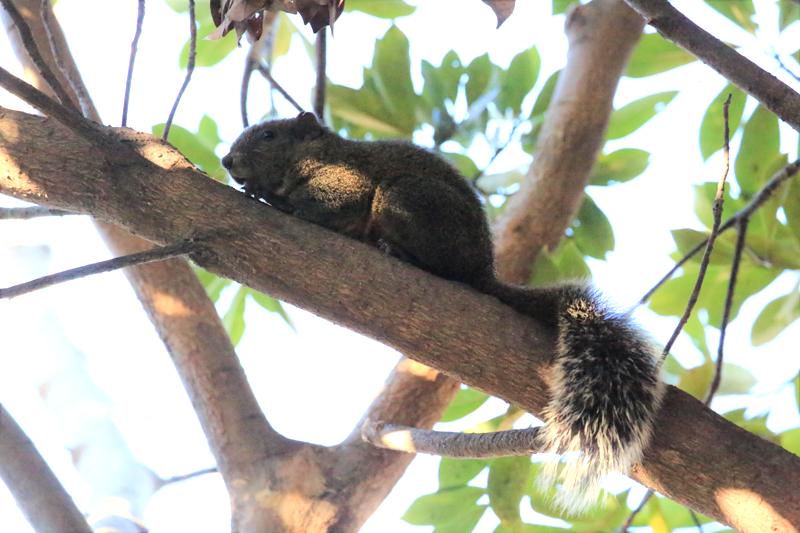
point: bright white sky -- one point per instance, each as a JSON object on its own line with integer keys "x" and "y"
{"x": 91, "y": 349}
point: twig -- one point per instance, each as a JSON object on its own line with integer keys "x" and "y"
{"x": 498, "y": 150}
{"x": 40, "y": 496}
{"x": 716, "y": 210}
{"x": 67, "y": 116}
{"x": 322, "y": 58}
{"x": 156, "y": 254}
{"x": 763, "y": 86}
{"x": 36, "y": 56}
{"x": 134, "y": 48}
{"x": 190, "y": 475}
{"x": 264, "y": 70}
{"x": 189, "y": 69}
{"x": 696, "y": 520}
{"x": 450, "y": 444}
{"x": 78, "y": 90}
{"x": 726, "y": 313}
{"x": 629, "y": 522}
{"x": 25, "y": 213}
{"x": 249, "y": 66}
{"x": 757, "y": 201}
{"x": 785, "y": 67}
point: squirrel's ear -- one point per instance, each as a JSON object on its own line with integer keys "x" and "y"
{"x": 308, "y": 126}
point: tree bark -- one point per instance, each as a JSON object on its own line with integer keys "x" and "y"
{"x": 696, "y": 457}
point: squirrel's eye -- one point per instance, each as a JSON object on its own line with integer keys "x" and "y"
{"x": 267, "y": 134}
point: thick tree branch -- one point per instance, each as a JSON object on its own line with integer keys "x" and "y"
{"x": 697, "y": 458}
{"x": 238, "y": 433}
{"x": 40, "y": 496}
{"x": 766, "y": 88}
{"x": 601, "y": 36}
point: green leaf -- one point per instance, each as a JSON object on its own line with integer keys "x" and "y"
{"x": 739, "y": 11}
{"x": 464, "y": 164}
{"x": 633, "y": 116}
{"x": 775, "y": 317}
{"x": 466, "y": 401}
{"x": 592, "y": 231}
{"x": 442, "y": 507}
{"x": 479, "y": 77}
{"x": 283, "y": 37}
{"x": 387, "y": 9}
{"x": 179, "y": 6}
{"x": 234, "y": 317}
{"x": 364, "y": 109}
{"x": 791, "y": 206}
{"x": 565, "y": 263}
{"x": 756, "y": 424}
{"x": 212, "y": 283}
{"x": 712, "y": 128}
{"x": 789, "y": 12}
{"x": 545, "y": 95}
{"x": 494, "y": 183}
{"x": 391, "y": 68}
{"x": 208, "y": 52}
{"x": 760, "y": 147}
{"x": 561, "y": 6}
{"x": 272, "y": 305}
{"x": 464, "y": 521}
{"x": 619, "y": 167}
{"x": 687, "y": 239}
{"x": 735, "y": 380}
{"x": 518, "y": 80}
{"x": 655, "y": 54}
{"x": 458, "y": 472}
{"x": 198, "y": 148}
{"x": 697, "y": 380}
{"x": 791, "y": 440}
{"x": 508, "y": 482}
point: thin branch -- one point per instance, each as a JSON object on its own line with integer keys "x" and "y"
{"x": 322, "y": 59}
{"x": 726, "y": 313}
{"x": 40, "y": 496}
{"x": 629, "y": 521}
{"x": 78, "y": 90}
{"x": 65, "y": 115}
{"x": 25, "y": 213}
{"x": 264, "y": 70}
{"x": 190, "y": 475}
{"x": 450, "y": 444}
{"x": 784, "y": 66}
{"x": 189, "y": 69}
{"x": 160, "y": 253}
{"x": 249, "y": 66}
{"x": 757, "y": 201}
{"x": 134, "y": 48}
{"x": 499, "y": 150}
{"x": 763, "y": 86}
{"x": 36, "y": 56}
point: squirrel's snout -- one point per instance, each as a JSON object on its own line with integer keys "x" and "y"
{"x": 227, "y": 161}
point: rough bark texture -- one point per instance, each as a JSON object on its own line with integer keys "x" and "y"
{"x": 763, "y": 86}
{"x": 40, "y": 496}
{"x": 696, "y": 458}
{"x": 601, "y": 35}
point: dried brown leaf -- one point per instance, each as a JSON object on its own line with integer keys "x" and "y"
{"x": 502, "y": 9}
{"x": 246, "y": 16}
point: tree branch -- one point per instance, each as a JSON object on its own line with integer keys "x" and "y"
{"x": 238, "y": 433}
{"x": 40, "y": 496}
{"x": 601, "y": 35}
{"x": 319, "y": 88}
{"x": 189, "y": 70}
{"x": 25, "y": 213}
{"x": 763, "y": 86}
{"x": 697, "y": 458}
{"x": 129, "y": 77}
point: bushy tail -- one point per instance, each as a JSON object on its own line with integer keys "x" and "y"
{"x": 605, "y": 390}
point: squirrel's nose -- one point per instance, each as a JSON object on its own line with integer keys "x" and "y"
{"x": 227, "y": 161}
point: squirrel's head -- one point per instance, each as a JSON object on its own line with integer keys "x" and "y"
{"x": 264, "y": 154}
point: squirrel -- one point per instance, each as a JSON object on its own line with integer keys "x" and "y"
{"x": 415, "y": 206}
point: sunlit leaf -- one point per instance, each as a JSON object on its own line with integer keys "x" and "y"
{"x": 387, "y": 9}
{"x": 197, "y": 147}
{"x": 458, "y": 472}
{"x": 480, "y": 73}
{"x": 518, "y": 80}
{"x": 561, "y": 6}
{"x": 634, "y": 115}
{"x": 508, "y": 482}
{"x": 775, "y": 317}
{"x": 760, "y": 147}
{"x": 465, "y": 402}
{"x": 791, "y": 440}
{"x": 619, "y": 166}
{"x": 272, "y": 305}
{"x": 442, "y": 507}
{"x": 565, "y": 263}
{"x": 739, "y": 11}
{"x": 655, "y": 54}
{"x": 789, "y": 12}
{"x": 209, "y": 52}
{"x": 592, "y": 231}
{"x": 233, "y": 320}
{"x": 391, "y": 67}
